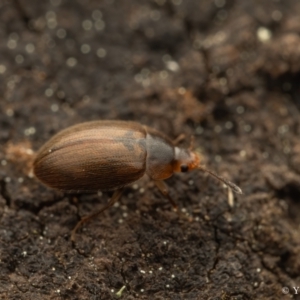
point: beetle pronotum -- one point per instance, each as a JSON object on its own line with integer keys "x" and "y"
{"x": 109, "y": 155}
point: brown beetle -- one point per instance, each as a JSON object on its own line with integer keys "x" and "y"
{"x": 108, "y": 155}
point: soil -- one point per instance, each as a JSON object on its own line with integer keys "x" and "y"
{"x": 226, "y": 72}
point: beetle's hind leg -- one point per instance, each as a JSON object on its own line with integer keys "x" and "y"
{"x": 115, "y": 197}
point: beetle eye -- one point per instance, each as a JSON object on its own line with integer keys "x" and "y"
{"x": 184, "y": 168}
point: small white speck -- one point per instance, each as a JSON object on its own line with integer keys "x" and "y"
{"x": 218, "y": 158}
{"x": 120, "y": 221}
{"x": 69, "y": 277}
{"x": 218, "y": 129}
{"x": 265, "y": 155}
{"x": 258, "y": 270}
{"x": 53, "y": 269}
{"x": 173, "y": 276}
{"x": 283, "y": 129}
{"x": 243, "y": 153}
{"x": 163, "y": 74}
{"x": 50, "y": 150}
{"x": 277, "y": 15}
{"x": 71, "y": 62}
{"x": 2, "y": 69}
{"x": 263, "y": 34}
{"x": 24, "y": 253}
{"x": 29, "y": 151}
{"x": 182, "y": 90}
{"x": 10, "y": 112}
{"x": 150, "y": 272}
{"x": 20, "y": 179}
{"x": 85, "y": 48}
{"x": 51, "y": 23}
{"x": 160, "y": 268}
{"x": 29, "y": 131}
{"x": 7, "y": 179}
{"x": 101, "y": 52}
{"x": 138, "y": 78}
{"x": 142, "y": 190}
{"x": 228, "y": 125}
{"x": 30, "y": 48}
{"x": 11, "y": 44}
{"x": 240, "y": 110}
{"x": 223, "y": 81}
{"x": 247, "y": 128}
{"x": 142, "y": 290}
{"x": 287, "y": 149}
{"x": 99, "y": 25}
{"x": 87, "y": 25}
{"x": 172, "y": 66}
{"x": 135, "y": 186}
{"x": 50, "y": 15}
{"x": 155, "y": 15}
{"x": 255, "y": 284}
{"x": 57, "y": 291}
{"x": 54, "y": 107}
{"x": 167, "y": 286}
{"x": 96, "y": 14}
{"x": 142, "y": 271}
{"x": 49, "y": 92}
{"x": 199, "y": 130}
{"x": 19, "y": 59}
{"x": 61, "y": 33}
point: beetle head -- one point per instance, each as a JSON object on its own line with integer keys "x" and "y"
{"x": 187, "y": 160}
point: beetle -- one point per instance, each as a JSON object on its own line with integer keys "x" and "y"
{"x": 109, "y": 155}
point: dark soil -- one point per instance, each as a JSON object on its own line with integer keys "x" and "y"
{"x": 227, "y": 72}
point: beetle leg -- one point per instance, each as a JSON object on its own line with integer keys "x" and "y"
{"x": 163, "y": 188}
{"x": 179, "y": 139}
{"x": 115, "y": 197}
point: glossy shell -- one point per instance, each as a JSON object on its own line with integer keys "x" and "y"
{"x": 100, "y": 155}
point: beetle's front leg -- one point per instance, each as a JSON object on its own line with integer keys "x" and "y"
{"x": 163, "y": 188}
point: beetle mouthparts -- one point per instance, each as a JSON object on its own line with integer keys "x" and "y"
{"x": 231, "y": 185}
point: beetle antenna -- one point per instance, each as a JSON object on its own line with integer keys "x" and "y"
{"x": 231, "y": 185}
